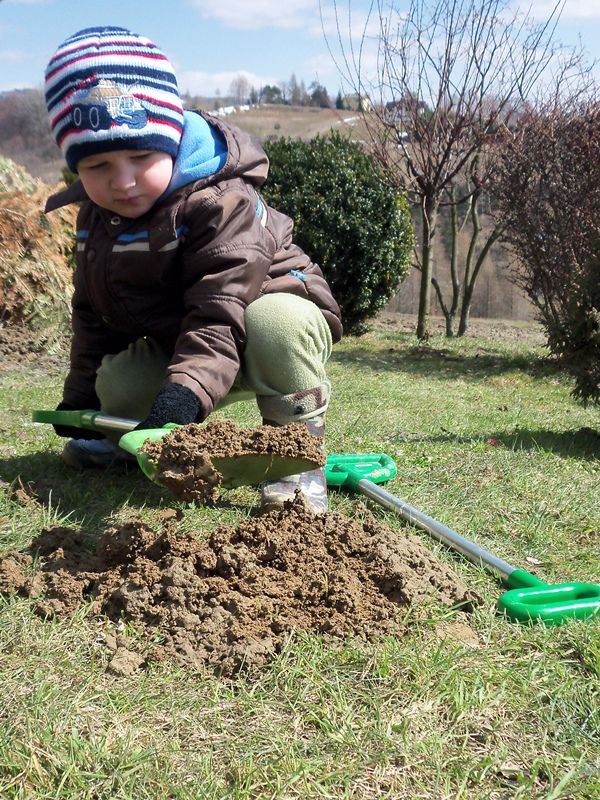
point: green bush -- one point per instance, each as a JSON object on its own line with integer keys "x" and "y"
{"x": 347, "y": 218}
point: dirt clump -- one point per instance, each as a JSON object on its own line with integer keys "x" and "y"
{"x": 186, "y": 458}
{"x": 229, "y": 598}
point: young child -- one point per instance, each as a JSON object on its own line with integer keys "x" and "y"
{"x": 189, "y": 292}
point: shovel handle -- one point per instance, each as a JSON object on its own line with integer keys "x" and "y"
{"x": 87, "y": 419}
{"x": 478, "y": 555}
{"x": 528, "y": 599}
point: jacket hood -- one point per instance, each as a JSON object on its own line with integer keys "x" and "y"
{"x": 202, "y": 153}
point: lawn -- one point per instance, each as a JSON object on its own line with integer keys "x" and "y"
{"x": 487, "y": 440}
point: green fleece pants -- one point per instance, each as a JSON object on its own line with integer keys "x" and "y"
{"x": 288, "y": 345}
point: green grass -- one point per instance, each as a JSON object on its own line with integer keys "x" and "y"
{"x": 487, "y": 440}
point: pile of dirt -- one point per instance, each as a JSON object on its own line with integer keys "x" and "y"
{"x": 187, "y": 459}
{"x": 35, "y": 254}
{"x": 229, "y": 598}
{"x": 45, "y": 347}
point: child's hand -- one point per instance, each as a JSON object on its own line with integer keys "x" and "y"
{"x": 174, "y": 403}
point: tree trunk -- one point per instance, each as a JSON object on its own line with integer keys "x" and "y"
{"x": 451, "y": 316}
{"x": 472, "y": 275}
{"x": 469, "y": 283}
{"x": 447, "y": 312}
{"x": 450, "y": 311}
{"x": 429, "y": 210}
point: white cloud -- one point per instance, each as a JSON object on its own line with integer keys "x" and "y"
{"x": 13, "y": 56}
{"x": 573, "y": 9}
{"x": 311, "y": 15}
{"x": 260, "y": 13}
{"x": 207, "y": 84}
{"x": 322, "y": 69}
{"x": 318, "y": 64}
{"x": 347, "y": 23}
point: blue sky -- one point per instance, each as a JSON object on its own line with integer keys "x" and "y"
{"x": 210, "y": 42}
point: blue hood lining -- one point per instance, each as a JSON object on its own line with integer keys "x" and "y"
{"x": 202, "y": 152}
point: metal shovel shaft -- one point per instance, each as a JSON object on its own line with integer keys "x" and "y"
{"x": 478, "y": 555}
{"x": 529, "y": 599}
{"x": 87, "y": 419}
{"x": 109, "y": 423}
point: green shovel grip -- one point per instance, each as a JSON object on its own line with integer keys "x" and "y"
{"x": 551, "y": 604}
{"x": 75, "y": 419}
{"x": 348, "y": 469}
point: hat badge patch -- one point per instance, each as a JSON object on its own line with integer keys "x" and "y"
{"x": 105, "y": 104}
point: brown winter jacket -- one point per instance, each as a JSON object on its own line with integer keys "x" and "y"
{"x": 183, "y": 275}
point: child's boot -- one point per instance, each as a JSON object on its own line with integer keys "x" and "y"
{"x": 307, "y": 407}
{"x": 95, "y": 454}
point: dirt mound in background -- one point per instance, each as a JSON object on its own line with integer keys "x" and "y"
{"x": 35, "y": 254}
{"x": 186, "y": 458}
{"x": 15, "y": 178}
{"x": 229, "y": 598}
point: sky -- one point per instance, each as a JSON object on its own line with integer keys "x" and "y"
{"x": 211, "y": 42}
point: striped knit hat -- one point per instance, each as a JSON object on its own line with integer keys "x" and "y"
{"x": 110, "y": 89}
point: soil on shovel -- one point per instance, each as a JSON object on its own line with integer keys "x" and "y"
{"x": 229, "y": 598}
{"x": 183, "y": 458}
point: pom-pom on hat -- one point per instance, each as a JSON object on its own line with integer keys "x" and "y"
{"x": 111, "y": 89}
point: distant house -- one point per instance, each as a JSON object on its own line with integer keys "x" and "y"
{"x": 402, "y": 112}
{"x": 356, "y": 102}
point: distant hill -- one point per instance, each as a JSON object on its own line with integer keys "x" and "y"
{"x": 302, "y": 122}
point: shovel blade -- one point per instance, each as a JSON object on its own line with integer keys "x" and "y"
{"x": 551, "y": 604}
{"x": 133, "y": 441}
{"x": 251, "y": 469}
{"x": 248, "y": 469}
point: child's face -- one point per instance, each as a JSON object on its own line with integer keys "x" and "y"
{"x": 127, "y": 182}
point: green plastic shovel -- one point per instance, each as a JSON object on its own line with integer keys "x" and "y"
{"x": 242, "y": 470}
{"x": 528, "y": 598}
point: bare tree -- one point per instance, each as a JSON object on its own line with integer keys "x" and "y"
{"x": 239, "y": 89}
{"x": 295, "y": 92}
{"x": 466, "y": 198}
{"x": 285, "y": 90}
{"x": 449, "y": 73}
